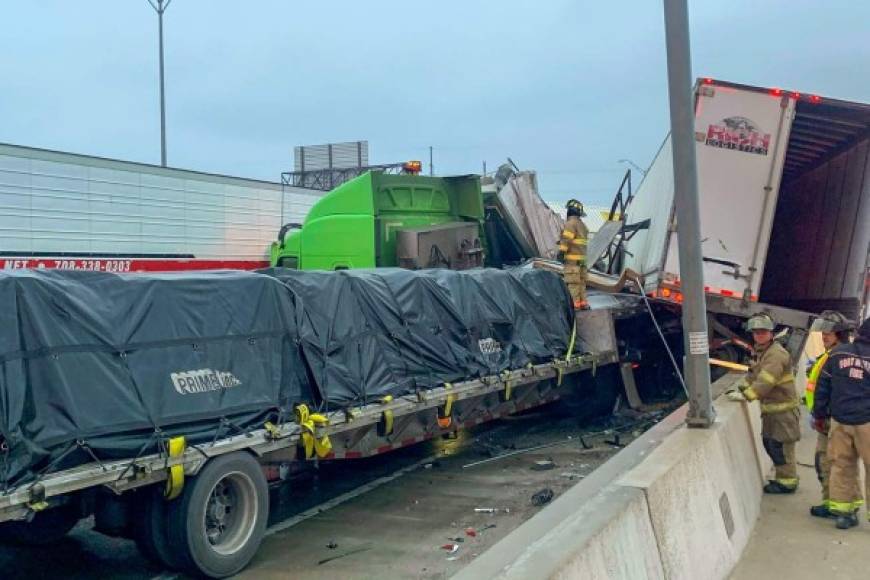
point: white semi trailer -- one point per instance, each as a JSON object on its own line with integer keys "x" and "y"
{"x": 784, "y": 186}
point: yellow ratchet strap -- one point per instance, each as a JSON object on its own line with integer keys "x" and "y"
{"x": 175, "y": 477}
{"x": 309, "y": 423}
{"x": 385, "y": 427}
{"x": 508, "y": 386}
{"x": 445, "y": 411}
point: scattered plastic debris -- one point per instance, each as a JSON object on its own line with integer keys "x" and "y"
{"x": 332, "y": 545}
{"x": 487, "y": 527}
{"x": 485, "y": 510}
{"x": 451, "y": 548}
{"x": 542, "y": 497}
{"x": 543, "y": 465}
{"x": 471, "y": 532}
{"x": 571, "y": 475}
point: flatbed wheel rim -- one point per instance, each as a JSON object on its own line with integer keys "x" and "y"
{"x": 230, "y": 514}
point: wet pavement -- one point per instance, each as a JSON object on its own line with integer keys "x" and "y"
{"x": 414, "y": 518}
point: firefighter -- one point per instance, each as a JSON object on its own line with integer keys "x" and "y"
{"x": 835, "y": 330}
{"x": 843, "y": 394}
{"x": 771, "y": 382}
{"x": 572, "y": 253}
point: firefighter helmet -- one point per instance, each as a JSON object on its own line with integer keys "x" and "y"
{"x": 575, "y": 207}
{"x": 761, "y": 321}
{"x": 831, "y": 321}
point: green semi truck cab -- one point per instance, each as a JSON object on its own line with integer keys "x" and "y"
{"x": 379, "y": 219}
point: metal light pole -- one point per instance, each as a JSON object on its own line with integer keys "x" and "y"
{"x": 431, "y": 167}
{"x": 160, "y": 7}
{"x": 696, "y": 368}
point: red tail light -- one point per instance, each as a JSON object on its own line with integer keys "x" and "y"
{"x": 776, "y": 92}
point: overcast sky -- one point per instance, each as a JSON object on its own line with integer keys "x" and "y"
{"x": 564, "y": 87}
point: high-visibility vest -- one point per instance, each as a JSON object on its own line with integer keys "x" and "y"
{"x": 813, "y": 378}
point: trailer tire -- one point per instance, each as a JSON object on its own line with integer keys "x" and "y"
{"x": 47, "y": 527}
{"x": 149, "y": 529}
{"x": 217, "y": 524}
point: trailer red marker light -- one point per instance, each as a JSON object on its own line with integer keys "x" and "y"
{"x": 708, "y": 81}
{"x": 666, "y": 292}
{"x": 679, "y": 297}
{"x": 796, "y": 95}
{"x": 815, "y": 99}
{"x": 776, "y": 92}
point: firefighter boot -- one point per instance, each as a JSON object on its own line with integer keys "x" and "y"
{"x": 821, "y": 511}
{"x": 844, "y": 522}
{"x": 776, "y": 487}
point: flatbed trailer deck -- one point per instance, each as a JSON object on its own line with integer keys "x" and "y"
{"x": 358, "y": 432}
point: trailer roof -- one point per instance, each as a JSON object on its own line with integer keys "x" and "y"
{"x": 823, "y": 127}
{"x": 118, "y": 164}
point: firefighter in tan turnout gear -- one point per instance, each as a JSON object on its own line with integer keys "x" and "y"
{"x": 572, "y": 253}
{"x": 835, "y": 330}
{"x": 843, "y": 397}
{"x": 771, "y": 382}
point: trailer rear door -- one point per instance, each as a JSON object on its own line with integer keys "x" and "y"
{"x": 740, "y": 144}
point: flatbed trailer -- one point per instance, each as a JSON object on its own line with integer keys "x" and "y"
{"x": 115, "y": 491}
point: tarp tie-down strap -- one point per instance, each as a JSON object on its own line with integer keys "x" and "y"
{"x": 571, "y": 342}
{"x": 508, "y": 386}
{"x": 77, "y": 444}
{"x": 175, "y": 474}
{"x": 387, "y": 417}
{"x": 312, "y": 440}
{"x": 445, "y": 411}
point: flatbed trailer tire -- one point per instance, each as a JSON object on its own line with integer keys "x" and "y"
{"x": 149, "y": 529}
{"x": 47, "y": 527}
{"x": 217, "y": 524}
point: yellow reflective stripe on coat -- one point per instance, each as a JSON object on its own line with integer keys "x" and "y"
{"x": 568, "y": 234}
{"x": 769, "y": 408}
{"x": 786, "y": 378}
{"x": 563, "y": 247}
{"x": 767, "y": 377}
{"x": 579, "y": 242}
{"x": 750, "y": 394}
{"x": 813, "y": 378}
{"x": 577, "y": 257}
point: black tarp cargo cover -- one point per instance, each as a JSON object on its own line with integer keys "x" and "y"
{"x": 100, "y": 365}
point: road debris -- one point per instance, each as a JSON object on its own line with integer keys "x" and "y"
{"x": 542, "y": 497}
{"x": 348, "y": 553}
{"x": 332, "y": 545}
{"x": 571, "y": 475}
{"x": 491, "y": 510}
{"x": 543, "y": 465}
{"x": 471, "y": 532}
{"x": 451, "y": 548}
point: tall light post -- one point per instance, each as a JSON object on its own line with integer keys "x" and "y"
{"x": 697, "y": 360}
{"x": 160, "y": 7}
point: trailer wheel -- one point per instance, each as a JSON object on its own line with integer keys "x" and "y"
{"x": 47, "y": 527}
{"x": 219, "y": 521}
{"x": 149, "y": 529}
